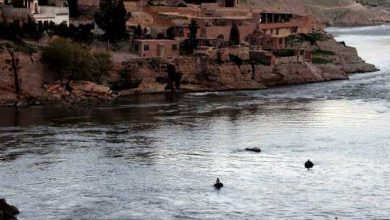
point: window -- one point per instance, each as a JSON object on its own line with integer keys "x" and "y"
{"x": 174, "y": 46}
{"x": 136, "y": 47}
{"x": 146, "y": 47}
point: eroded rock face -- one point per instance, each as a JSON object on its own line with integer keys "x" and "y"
{"x": 7, "y": 211}
{"x": 90, "y": 90}
{"x": 196, "y": 73}
{"x": 297, "y": 73}
{"x": 78, "y": 91}
{"x": 345, "y": 56}
{"x": 31, "y": 76}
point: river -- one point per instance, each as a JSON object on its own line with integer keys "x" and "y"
{"x": 157, "y": 157}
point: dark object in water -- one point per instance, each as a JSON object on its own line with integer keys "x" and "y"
{"x": 309, "y": 164}
{"x": 218, "y": 184}
{"x": 7, "y": 212}
{"x": 253, "y": 149}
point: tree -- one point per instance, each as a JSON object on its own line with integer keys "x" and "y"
{"x": 14, "y": 63}
{"x": 111, "y": 17}
{"x": 160, "y": 36}
{"x": 83, "y": 33}
{"x": 11, "y": 31}
{"x": 72, "y": 61}
{"x": 43, "y": 2}
{"x": 18, "y": 3}
{"x": 171, "y": 33}
{"x": 234, "y": 34}
{"x": 31, "y": 30}
{"x": 145, "y": 31}
{"x": 138, "y": 31}
{"x": 57, "y": 57}
{"x": 102, "y": 65}
{"x": 193, "y": 27}
{"x": 73, "y": 8}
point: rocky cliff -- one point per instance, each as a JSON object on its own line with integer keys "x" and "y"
{"x": 33, "y": 85}
{"x": 30, "y": 71}
{"x": 331, "y": 61}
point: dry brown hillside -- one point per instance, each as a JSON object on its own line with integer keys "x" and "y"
{"x": 337, "y": 12}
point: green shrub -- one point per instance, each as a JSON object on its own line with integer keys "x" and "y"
{"x": 68, "y": 60}
{"x": 323, "y": 52}
{"x": 318, "y": 60}
{"x": 285, "y": 53}
{"x": 129, "y": 79}
{"x": 101, "y": 66}
{"x": 236, "y": 59}
{"x": 301, "y": 38}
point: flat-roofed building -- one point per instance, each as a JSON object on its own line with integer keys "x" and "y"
{"x": 156, "y": 48}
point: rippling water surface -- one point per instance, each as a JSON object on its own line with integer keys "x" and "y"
{"x": 156, "y": 157}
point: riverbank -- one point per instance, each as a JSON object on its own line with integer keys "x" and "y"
{"x": 331, "y": 60}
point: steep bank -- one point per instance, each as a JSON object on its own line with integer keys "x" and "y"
{"x": 331, "y": 61}
{"x": 336, "y": 12}
{"x": 31, "y": 76}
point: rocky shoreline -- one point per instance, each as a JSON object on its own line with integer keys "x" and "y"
{"x": 196, "y": 73}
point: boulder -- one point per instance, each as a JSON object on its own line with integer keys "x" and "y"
{"x": 253, "y": 149}
{"x": 7, "y": 212}
{"x": 57, "y": 90}
{"x": 86, "y": 90}
{"x": 78, "y": 91}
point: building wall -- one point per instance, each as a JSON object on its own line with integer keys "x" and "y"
{"x": 156, "y": 48}
{"x": 283, "y": 29}
{"x": 215, "y": 31}
{"x": 10, "y": 14}
{"x": 46, "y": 13}
{"x": 49, "y": 14}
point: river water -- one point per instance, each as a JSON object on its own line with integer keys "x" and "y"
{"x": 157, "y": 157}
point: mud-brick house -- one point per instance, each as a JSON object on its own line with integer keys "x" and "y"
{"x": 266, "y": 42}
{"x": 165, "y": 48}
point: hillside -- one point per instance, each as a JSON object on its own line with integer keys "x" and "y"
{"x": 337, "y": 12}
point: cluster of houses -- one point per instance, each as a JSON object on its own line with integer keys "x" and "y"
{"x": 262, "y": 30}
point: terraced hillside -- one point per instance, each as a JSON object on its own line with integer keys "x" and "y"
{"x": 337, "y": 12}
